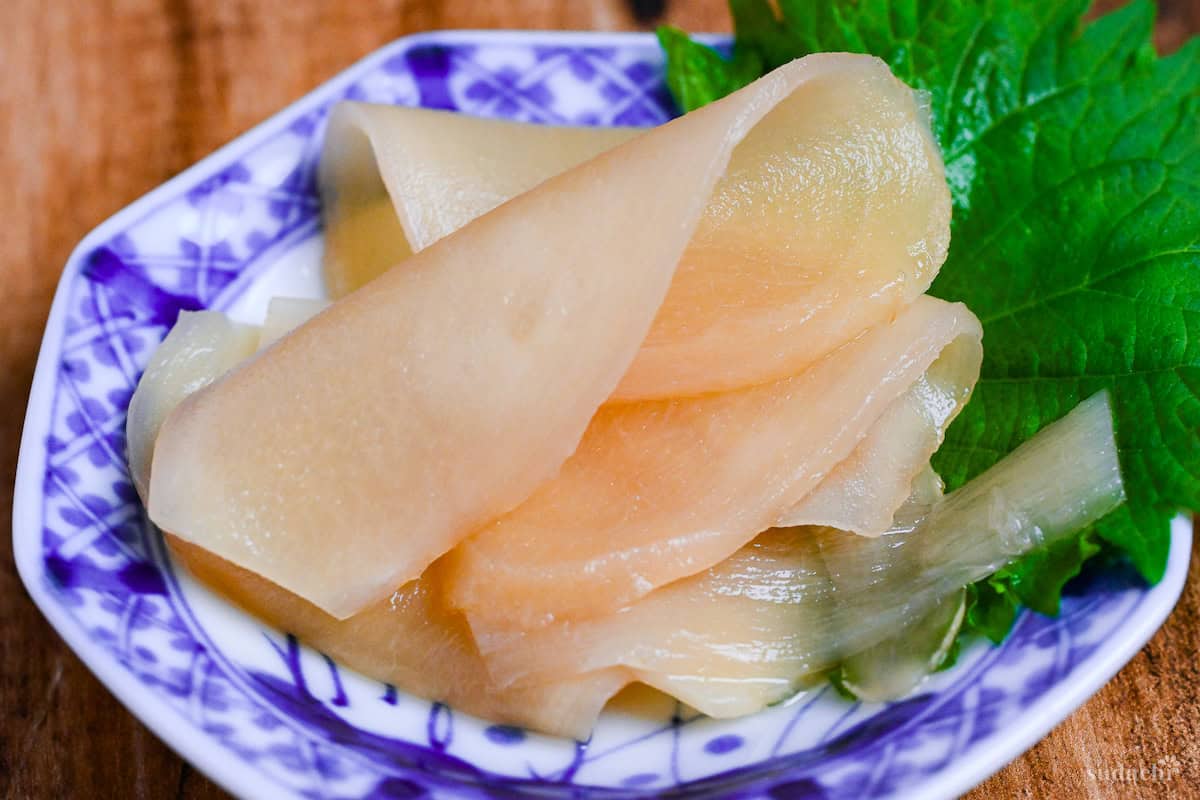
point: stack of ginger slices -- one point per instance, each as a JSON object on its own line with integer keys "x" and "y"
{"x": 580, "y": 399}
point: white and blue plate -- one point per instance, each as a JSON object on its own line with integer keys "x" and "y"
{"x": 267, "y": 717}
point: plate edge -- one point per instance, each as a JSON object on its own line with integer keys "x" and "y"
{"x": 1051, "y": 710}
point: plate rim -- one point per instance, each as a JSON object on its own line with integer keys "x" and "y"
{"x": 1051, "y": 709}
{"x": 208, "y": 755}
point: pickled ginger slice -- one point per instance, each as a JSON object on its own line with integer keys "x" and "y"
{"x": 797, "y": 601}
{"x": 394, "y": 179}
{"x": 863, "y": 492}
{"x": 893, "y": 667}
{"x": 660, "y": 490}
{"x": 407, "y": 639}
{"x": 201, "y": 347}
{"x": 285, "y": 314}
{"x": 832, "y": 214}
{"x": 365, "y": 444}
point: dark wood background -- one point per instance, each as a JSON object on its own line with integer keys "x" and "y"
{"x": 100, "y": 101}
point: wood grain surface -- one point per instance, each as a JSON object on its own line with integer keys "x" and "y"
{"x": 101, "y": 101}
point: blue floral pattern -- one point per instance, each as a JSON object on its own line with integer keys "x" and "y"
{"x": 289, "y": 715}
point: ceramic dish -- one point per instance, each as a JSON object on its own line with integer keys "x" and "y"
{"x": 266, "y": 717}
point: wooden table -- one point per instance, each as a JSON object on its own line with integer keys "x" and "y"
{"x": 102, "y": 101}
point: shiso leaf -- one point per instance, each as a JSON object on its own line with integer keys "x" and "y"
{"x": 1073, "y": 156}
